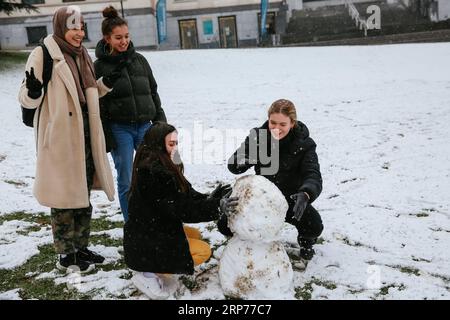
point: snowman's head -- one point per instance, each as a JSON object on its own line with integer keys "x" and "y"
{"x": 261, "y": 211}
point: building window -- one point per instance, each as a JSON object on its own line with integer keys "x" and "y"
{"x": 270, "y": 23}
{"x": 35, "y": 34}
{"x": 208, "y": 27}
{"x": 33, "y": 1}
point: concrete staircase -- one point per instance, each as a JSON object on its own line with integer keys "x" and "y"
{"x": 331, "y": 23}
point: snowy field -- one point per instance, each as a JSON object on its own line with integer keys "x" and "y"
{"x": 380, "y": 116}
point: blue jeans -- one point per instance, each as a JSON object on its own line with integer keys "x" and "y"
{"x": 128, "y": 137}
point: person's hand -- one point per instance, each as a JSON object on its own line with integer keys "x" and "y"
{"x": 301, "y": 201}
{"x": 220, "y": 191}
{"x": 111, "y": 79}
{"x": 33, "y": 85}
{"x": 228, "y": 205}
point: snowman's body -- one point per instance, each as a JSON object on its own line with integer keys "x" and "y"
{"x": 254, "y": 264}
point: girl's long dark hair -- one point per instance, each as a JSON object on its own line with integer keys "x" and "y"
{"x": 153, "y": 148}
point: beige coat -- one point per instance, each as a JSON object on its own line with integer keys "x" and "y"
{"x": 60, "y": 168}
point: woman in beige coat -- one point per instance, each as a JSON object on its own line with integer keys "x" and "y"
{"x": 71, "y": 156}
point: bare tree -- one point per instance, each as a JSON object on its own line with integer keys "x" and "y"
{"x": 9, "y": 7}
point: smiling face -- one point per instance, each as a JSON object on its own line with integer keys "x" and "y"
{"x": 74, "y": 36}
{"x": 280, "y": 125}
{"x": 171, "y": 141}
{"x": 119, "y": 39}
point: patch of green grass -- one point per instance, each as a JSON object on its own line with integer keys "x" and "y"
{"x": 12, "y": 59}
{"x": 26, "y": 231}
{"x": 24, "y": 276}
{"x": 425, "y": 212}
{"x": 189, "y": 282}
{"x": 320, "y": 240}
{"x": 356, "y": 291}
{"x": 16, "y": 183}
{"x": 385, "y": 290}
{"x": 410, "y": 270}
{"x": 105, "y": 240}
{"x": 305, "y": 292}
{"x": 352, "y": 243}
{"x": 420, "y": 214}
{"x": 218, "y": 245}
{"x": 40, "y": 218}
{"x": 442, "y": 277}
{"x": 406, "y": 269}
{"x": 210, "y": 227}
{"x": 31, "y": 288}
{"x": 117, "y": 265}
{"x": 104, "y": 224}
{"x": 127, "y": 276}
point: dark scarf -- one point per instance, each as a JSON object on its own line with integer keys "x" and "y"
{"x": 286, "y": 142}
{"x": 85, "y": 76}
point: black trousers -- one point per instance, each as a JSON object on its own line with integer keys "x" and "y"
{"x": 309, "y": 227}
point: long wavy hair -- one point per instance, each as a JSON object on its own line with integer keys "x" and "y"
{"x": 153, "y": 148}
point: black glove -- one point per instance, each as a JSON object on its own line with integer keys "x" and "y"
{"x": 33, "y": 85}
{"x": 111, "y": 79}
{"x": 228, "y": 205}
{"x": 301, "y": 201}
{"x": 220, "y": 191}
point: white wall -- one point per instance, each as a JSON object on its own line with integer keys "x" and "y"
{"x": 318, "y": 4}
{"x": 444, "y": 9}
{"x": 295, "y": 4}
{"x": 202, "y": 4}
{"x": 51, "y": 6}
{"x": 142, "y": 29}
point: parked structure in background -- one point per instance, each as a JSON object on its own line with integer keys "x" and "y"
{"x": 330, "y": 22}
{"x": 225, "y": 23}
{"x": 191, "y": 24}
{"x": 23, "y": 30}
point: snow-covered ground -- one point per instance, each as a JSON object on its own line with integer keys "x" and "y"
{"x": 380, "y": 116}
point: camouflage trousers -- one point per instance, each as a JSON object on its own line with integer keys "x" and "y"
{"x": 71, "y": 227}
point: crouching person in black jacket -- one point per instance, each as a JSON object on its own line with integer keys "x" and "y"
{"x": 296, "y": 173}
{"x": 161, "y": 200}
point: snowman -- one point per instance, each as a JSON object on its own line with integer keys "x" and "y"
{"x": 254, "y": 263}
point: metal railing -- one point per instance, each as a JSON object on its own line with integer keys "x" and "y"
{"x": 354, "y": 14}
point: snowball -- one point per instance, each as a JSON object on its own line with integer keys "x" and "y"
{"x": 255, "y": 270}
{"x": 261, "y": 211}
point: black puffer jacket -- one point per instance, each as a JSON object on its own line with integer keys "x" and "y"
{"x": 299, "y": 168}
{"x": 154, "y": 239}
{"x": 135, "y": 96}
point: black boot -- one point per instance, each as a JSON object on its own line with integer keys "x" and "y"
{"x": 306, "y": 248}
{"x": 90, "y": 256}
{"x": 71, "y": 262}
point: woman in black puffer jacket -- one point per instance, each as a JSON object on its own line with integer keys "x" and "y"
{"x": 128, "y": 111}
{"x": 293, "y": 167}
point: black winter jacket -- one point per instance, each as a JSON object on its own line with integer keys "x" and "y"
{"x": 299, "y": 168}
{"x": 134, "y": 98}
{"x": 154, "y": 238}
